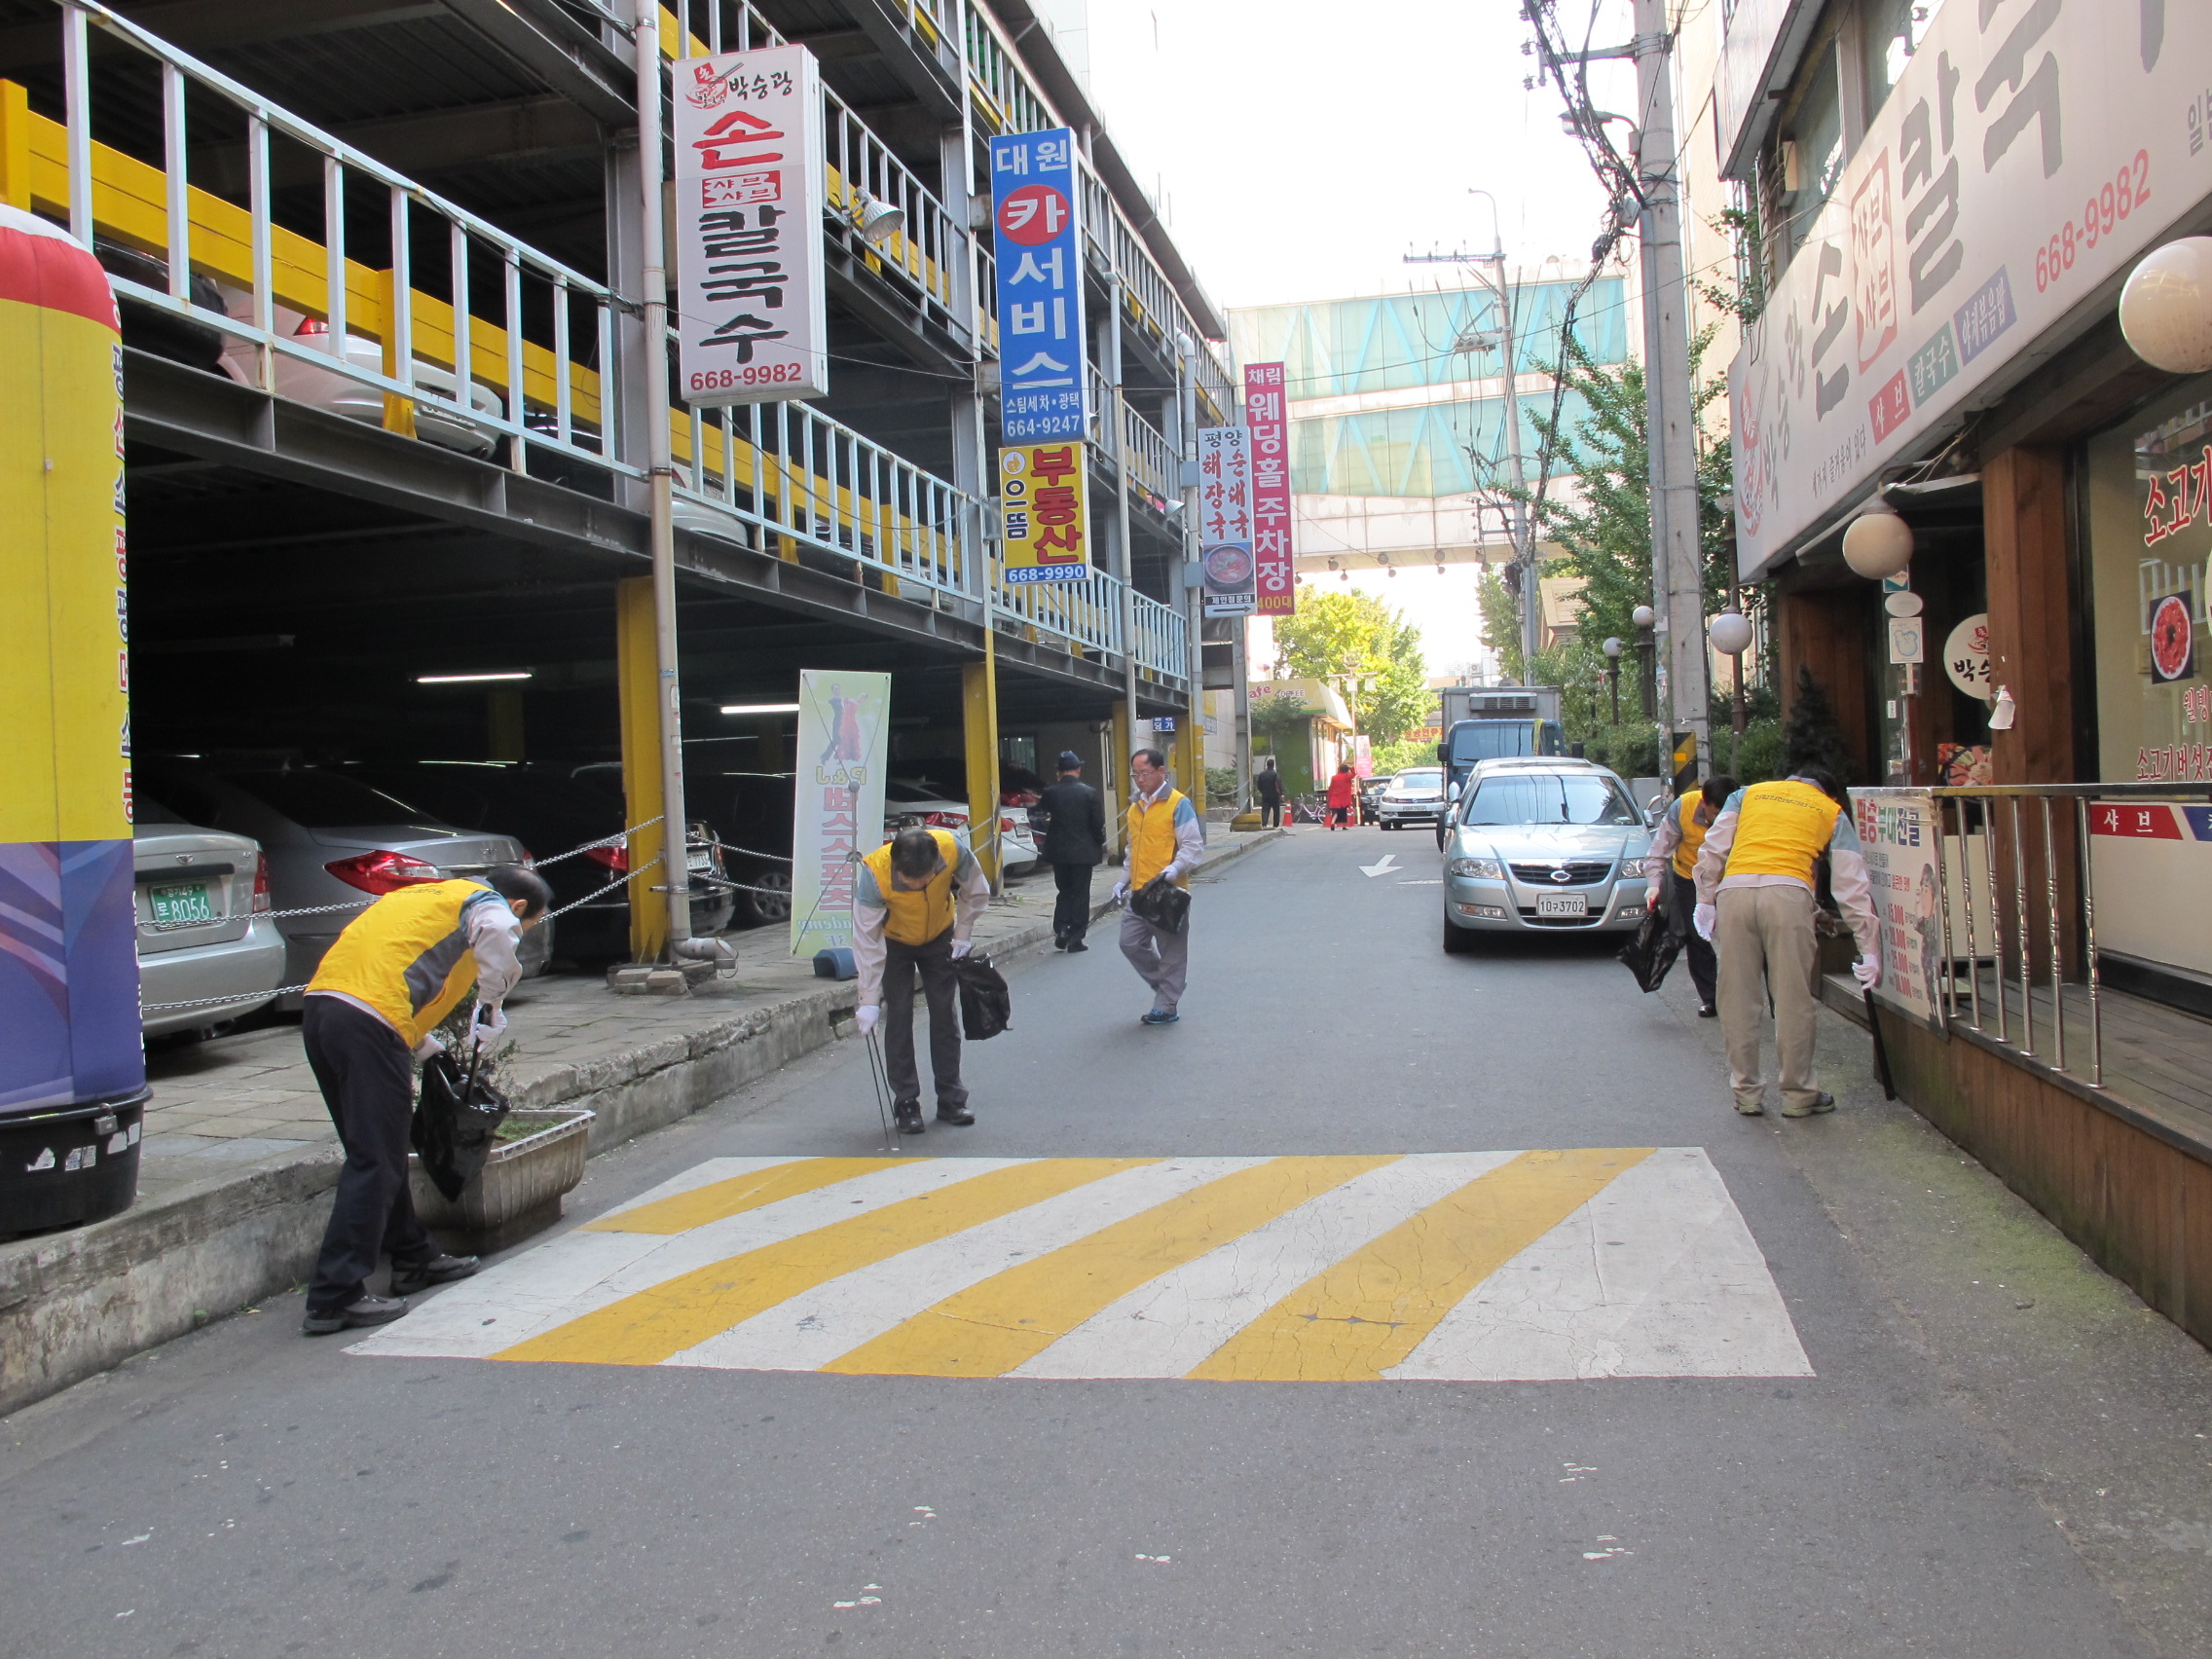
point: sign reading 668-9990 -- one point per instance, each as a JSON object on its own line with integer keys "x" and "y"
{"x": 749, "y": 193}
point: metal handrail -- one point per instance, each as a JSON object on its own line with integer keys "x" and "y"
{"x": 1087, "y": 613}
{"x": 1162, "y": 636}
{"x": 1151, "y": 462}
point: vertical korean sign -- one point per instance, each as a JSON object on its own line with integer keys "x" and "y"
{"x": 1225, "y": 519}
{"x": 1266, "y": 417}
{"x": 845, "y": 723}
{"x": 1035, "y": 210}
{"x": 1044, "y": 510}
{"x": 1896, "y": 832}
{"x": 748, "y": 226}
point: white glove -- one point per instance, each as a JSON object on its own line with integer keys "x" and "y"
{"x": 864, "y": 1020}
{"x": 1651, "y": 897}
{"x": 490, "y": 1023}
{"x": 961, "y": 947}
{"x": 428, "y": 1046}
{"x": 1703, "y": 918}
{"x": 1868, "y": 971}
{"x": 1121, "y": 891}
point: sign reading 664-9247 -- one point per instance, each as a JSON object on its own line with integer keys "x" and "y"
{"x": 748, "y": 205}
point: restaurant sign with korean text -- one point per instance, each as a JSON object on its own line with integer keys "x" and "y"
{"x": 1266, "y": 417}
{"x": 1225, "y": 520}
{"x": 1035, "y": 206}
{"x": 748, "y": 226}
{"x": 1046, "y": 512}
{"x": 2031, "y": 151}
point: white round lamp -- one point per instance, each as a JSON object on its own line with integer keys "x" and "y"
{"x": 1612, "y": 646}
{"x": 2165, "y": 311}
{"x": 1643, "y": 617}
{"x": 1730, "y": 632}
{"x": 1878, "y": 543}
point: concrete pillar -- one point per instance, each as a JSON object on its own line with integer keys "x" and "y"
{"x": 637, "y": 672}
{"x": 1124, "y": 744}
{"x": 980, "y": 726}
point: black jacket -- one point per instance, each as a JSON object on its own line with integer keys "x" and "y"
{"x": 1270, "y": 786}
{"x": 1075, "y": 830}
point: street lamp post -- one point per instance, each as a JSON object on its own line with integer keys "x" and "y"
{"x": 1613, "y": 650}
{"x": 1643, "y": 617}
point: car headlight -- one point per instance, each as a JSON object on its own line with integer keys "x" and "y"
{"x": 1632, "y": 867}
{"x": 1481, "y": 869}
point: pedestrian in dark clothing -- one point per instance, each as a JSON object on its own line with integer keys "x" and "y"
{"x": 1074, "y": 844}
{"x": 1669, "y": 879}
{"x": 1269, "y": 786}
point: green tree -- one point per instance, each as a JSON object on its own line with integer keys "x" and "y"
{"x": 1501, "y": 624}
{"x": 1813, "y": 736}
{"x": 1351, "y": 640}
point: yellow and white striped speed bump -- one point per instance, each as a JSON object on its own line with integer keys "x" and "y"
{"x": 1476, "y": 1265}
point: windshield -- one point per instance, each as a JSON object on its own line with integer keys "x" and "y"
{"x": 1493, "y": 740}
{"x": 1548, "y": 797}
{"x": 325, "y": 800}
{"x": 1431, "y": 778}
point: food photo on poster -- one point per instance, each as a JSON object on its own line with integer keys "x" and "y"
{"x": 1225, "y": 520}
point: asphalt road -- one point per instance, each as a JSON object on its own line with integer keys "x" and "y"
{"x": 2015, "y": 1470}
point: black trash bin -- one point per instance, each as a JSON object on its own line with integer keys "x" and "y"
{"x": 70, "y": 1164}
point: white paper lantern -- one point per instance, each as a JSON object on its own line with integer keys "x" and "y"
{"x": 2165, "y": 311}
{"x": 1878, "y": 545}
{"x": 1730, "y": 632}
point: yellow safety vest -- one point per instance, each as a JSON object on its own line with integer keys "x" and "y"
{"x": 1151, "y": 839}
{"x": 1781, "y": 828}
{"x": 407, "y": 955}
{"x": 917, "y": 918}
{"x": 1693, "y": 832}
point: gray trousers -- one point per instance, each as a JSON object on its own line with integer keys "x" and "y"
{"x": 933, "y": 962}
{"x": 1161, "y": 959}
{"x": 1765, "y": 941}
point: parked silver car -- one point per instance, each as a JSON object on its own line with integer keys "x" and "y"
{"x": 1415, "y": 796}
{"x": 331, "y": 840}
{"x": 1542, "y": 845}
{"x": 204, "y": 924}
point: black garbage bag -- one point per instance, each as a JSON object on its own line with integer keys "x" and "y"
{"x": 1651, "y": 951}
{"x": 456, "y": 1117}
{"x": 986, "y": 1006}
{"x": 1163, "y": 904}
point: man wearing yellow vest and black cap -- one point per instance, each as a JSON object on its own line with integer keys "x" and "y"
{"x": 398, "y": 969}
{"x": 1756, "y": 902}
{"x": 1670, "y": 869}
{"x": 1166, "y": 843}
{"x": 916, "y": 900}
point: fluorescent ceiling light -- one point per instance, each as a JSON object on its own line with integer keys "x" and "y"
{"x": 470, "y": 678}
{"x": 759, "y": 708}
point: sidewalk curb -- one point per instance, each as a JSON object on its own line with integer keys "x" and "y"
{"x": 74, "y": 1304}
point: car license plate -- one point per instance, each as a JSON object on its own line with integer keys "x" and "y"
{"x": 1563, "y": 905}
{"x": 184, "y": 903}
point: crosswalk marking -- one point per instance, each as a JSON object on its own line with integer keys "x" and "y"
{"x": 654, "y": 1324}
{"x": 995, "y": 1326}
{"x": 1369, "y": 1311}
{"x": 1625, "y": 1262}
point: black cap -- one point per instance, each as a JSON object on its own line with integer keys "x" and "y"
{"x": 1070, "y": 760}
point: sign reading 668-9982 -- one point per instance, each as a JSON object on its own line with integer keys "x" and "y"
{"x": 749, "y": 193}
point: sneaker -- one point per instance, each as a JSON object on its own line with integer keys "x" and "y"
{"x": 959, "y": 1117}
{"x": 1754, "y": 1109}
{"x": 1160, "y": 1016}
{"x": 410, "y": 1280}
{"x": 908, "y": 1117}
{"x": 364, "y": 1309}
{"x": 1812, "y": 1109}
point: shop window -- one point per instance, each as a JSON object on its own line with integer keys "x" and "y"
{"x": 1809, "y": 159}
{"x": 2150, "y": 533}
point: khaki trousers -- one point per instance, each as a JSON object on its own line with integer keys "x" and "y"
{"x": 1764, "y": 938}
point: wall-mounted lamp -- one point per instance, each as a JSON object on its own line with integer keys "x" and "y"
{"x": 1878, "y": 543}
{"x": 2165, "y": 311}
{"x": 878, "y": 221}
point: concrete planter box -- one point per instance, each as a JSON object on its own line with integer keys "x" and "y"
{"x": 518, "y": 1194}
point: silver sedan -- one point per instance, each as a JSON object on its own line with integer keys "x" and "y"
{"x": 205, "y": 932}
{"x": 1542, "y": 845}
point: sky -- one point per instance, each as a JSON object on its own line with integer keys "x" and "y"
{"x": 1299, "y": 149}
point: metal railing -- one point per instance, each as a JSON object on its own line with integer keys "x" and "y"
{"x": 1087, "y": 613}
{"x": 1003, "y": 93}
{"x": 924, "y": 256}
{"x": 2016, "y": 907}
{"x": 408, "y": 337}
{"x": 1162, "y": 638}
{"x": 786, "y": 476}
{"x": 1151, "y": 463}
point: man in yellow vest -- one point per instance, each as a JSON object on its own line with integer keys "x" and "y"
{"x": 1755, "y": 902}
{"x": 399, "y": 967}
{"x": 1166, "y": 843}
{"x": 916, "y": 900}
{"x": 1669, "y": 871}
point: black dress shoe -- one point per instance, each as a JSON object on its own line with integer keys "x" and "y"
{"x": 1075, "y": 945}
{"x": 909, "y": 1118}
{"x": 365, "y": 1310}
{"x": 412, "y": 1278}
{"x": 957, "y": 1115}
{"x": 1705, "y": 1011}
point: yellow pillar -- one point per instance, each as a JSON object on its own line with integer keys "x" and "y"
{"x": 980, "y": 722}
{"x": 637, "y": 671}
{"x": 1124, "y": 744}
{"x": 14, "y": 146}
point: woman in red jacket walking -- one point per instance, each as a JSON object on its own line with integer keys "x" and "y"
{"x": 1344, "y": 795}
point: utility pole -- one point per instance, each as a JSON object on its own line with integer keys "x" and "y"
{"x": 1671, "y": 414}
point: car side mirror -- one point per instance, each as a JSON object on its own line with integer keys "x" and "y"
{"x": 1453, "y": 792}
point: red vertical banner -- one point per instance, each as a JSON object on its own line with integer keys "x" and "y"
{"x": 1267, "y": 415}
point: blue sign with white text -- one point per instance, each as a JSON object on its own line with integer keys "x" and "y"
{"x": 1035, "y": 197}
